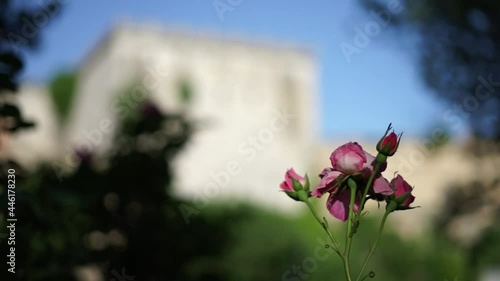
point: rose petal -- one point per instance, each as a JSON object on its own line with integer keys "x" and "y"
{"x": 284, "y": 186}
{"x": 348, "y": 158}
{"x": 338, "y": 204}
{"x": 326, "y": 184}
{"x": 324, "y": 172}
{"x": 291, "y": 173}
{"x": 381, "y": 185}
{"x": 370, "y": 163}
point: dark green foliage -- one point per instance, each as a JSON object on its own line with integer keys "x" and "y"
{"x": 123, "y": 216}
{"x": 18, "y": 32}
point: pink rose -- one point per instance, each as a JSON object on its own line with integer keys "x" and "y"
{"x": 287, "y": 185}
{"x": 348, "y": 158}
{"x": 401, "y": 189}
{"x": 330, "y": 177}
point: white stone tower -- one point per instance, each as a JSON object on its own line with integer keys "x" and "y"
{"x": 255, "y": 101}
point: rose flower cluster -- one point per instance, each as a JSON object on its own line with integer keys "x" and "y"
{"x": 351, "y": 161}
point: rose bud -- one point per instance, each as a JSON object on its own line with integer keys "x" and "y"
{"x": 402, "y": 196}
{"x": 388, "y": 144}
{"x": 295, "y": 186}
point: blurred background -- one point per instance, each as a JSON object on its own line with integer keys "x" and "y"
{"x": 149, "y": 138}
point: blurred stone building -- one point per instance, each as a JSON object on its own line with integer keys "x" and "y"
{"x": 252, "y": 102}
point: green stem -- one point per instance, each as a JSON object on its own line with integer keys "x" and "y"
{"x": 372, "y": 249}
{"x": 352, "y": 187}
{"x": 365, "y": 192}
{"x": 325, "y": 227}
{"x": 349, "y": 231}
{"x": 346, "y": 269}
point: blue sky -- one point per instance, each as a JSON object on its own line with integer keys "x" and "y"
{"x": 380, "y": 85}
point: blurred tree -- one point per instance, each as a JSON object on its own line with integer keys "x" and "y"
{"x": 470, "y": 217}
{"x": 459, "y": 52}
{"x": 20, "y": 27}
{"x": 458, "y": 48}
{"x": 119, "y": 217}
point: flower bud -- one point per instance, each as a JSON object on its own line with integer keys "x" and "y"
{"x": 402, "y": 197}
{"x": 388, "y": 144}
{"x": 295, "y": 186}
